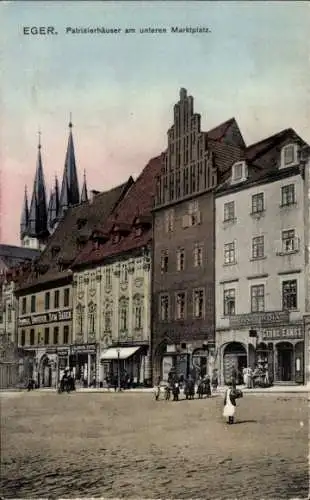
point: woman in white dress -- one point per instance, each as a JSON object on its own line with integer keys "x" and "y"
{"x": 231, "y": 395}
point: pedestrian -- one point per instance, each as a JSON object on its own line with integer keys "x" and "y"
{"x": 208, "y": 386}
{"x": 214, "y": 381}
{"x": 234, "y": 375}
{"x": 231, "y": 394}
{"x": 157, "y": 388}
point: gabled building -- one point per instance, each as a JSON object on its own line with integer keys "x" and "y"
{"x": 112, "y": 289}
{"x": 45, "y": 296}
{"x": 262, "y": 238}
{"x": 183, "y": 320}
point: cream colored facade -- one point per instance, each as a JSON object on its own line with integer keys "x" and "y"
{"x": 279, "y": 264}
{"x": 111, "y": 305}
{"x": 45, "y": 329}
{"x": 8, "y": 307}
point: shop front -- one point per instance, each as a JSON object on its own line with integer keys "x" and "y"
{"x": 83, "y": 363}
{"x": 129, "y": 363}
{"x": 187, "y": 359}
{"x": 268, "y": 342}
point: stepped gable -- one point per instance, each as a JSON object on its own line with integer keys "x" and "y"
{"x": 134, "y": 210}
{"x": 73, "y": 232}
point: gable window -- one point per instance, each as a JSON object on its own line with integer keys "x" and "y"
{"x": 180, "y": 305}
{"x": 56, "y": 299}
{"x": 66, "y": 297}
{"x": 180, "y": 259}
{"x": 289, "y": 155}
{"x": 47, "y": 300}
{"x": 56, "y": 335}
{"x": 230, "y": 302}
{"x": 229, "y": 211}
{"x": 257, "y": 203}
{"x": 230, "y": 253}
{"x": 257, "y": 298}
{"x": 164, "y": 307}
{"x": 199, "y": 302}
{"x": 289, "y": 295}
{"x": 164, "y": 261}
{"x": 24, "y": 305}
{"x": 198, "y": 252}
{"x": 288, "y": 195}
{"x": 32, "y": 336}
{"x": 239, "y": 171}
{"x": 289, "y": 241}
{"x": 33, "y": 303}
{"x": 169, "y": 221}
{"x": 46, "y": 336}
{"x": 258, "y": 247}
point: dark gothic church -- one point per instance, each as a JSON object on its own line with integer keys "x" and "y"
{"x": 39, "y": 220}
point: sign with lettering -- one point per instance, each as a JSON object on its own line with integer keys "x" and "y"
{"x": 57, "y": 350}
{"x": 258, "y": 319}
{"x": 52, "y": 317}
{"x": 83, "y": 348}
{"x": 284, "y": 332}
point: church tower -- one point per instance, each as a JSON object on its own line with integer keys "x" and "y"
{"x": 33, "y": 230}
{"x": 69, "y": 194}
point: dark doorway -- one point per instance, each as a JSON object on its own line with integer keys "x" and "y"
{"x": 235, "y": 356}
{"x": 285, "y": 362}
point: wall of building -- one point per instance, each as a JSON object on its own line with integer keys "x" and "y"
{"x": 271, "y": 270}
{"x": 99, "y": 295}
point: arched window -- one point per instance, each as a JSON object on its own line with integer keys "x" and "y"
{"x": 123, "y": 314}
{"x": 138, "y": 312}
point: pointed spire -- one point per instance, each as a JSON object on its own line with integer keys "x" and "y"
{"x": 70, "y": 186}
{"x": 53, "y": 207}
{"x": 24, "y": 221}
{"x": 38, "y": 208}
{"x": 84, "y": 195}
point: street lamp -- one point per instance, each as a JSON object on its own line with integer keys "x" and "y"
{"x": 118, "y": 369}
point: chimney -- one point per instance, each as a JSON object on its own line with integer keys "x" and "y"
{"x": 93, "y": 193}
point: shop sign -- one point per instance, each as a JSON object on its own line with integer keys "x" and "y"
{"x": 57, "y": 350}
{"x": 258, "y": 319}
{"x": 200, "y": 353}
{"x": 285, "y": 332}
{"x": 52, "y": 317}
{"x": 83, "y": 348}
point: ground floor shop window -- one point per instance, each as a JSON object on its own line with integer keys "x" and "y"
{"x": 234, "y": 361}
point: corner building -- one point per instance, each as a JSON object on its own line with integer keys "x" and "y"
{"x": 183, "y": 318}
{"x": 262, "y": 224}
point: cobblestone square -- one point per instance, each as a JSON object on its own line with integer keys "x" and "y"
{"x": 129, "y": 445}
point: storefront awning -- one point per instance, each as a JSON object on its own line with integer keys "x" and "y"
{"x": 119, "y": 352}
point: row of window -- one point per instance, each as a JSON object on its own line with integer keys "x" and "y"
{"x": 257, "y": 296}
{"x": 199, "y": 305}
{"x": 180, "y": 258}
{"x": 47, "y": 301}
{"x": 108, "y": 316}
{"x": 288, "y": 197}
{"x": 289, "y": 244}
{"x": 192, "y": 217}
{"x": 50, "y": 336}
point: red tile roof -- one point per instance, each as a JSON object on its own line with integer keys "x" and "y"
{"x": 138, "y": 202}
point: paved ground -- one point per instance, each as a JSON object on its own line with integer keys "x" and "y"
{"x": 128, "y": 445}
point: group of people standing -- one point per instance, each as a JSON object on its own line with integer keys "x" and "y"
{"x": 202, "y": 386}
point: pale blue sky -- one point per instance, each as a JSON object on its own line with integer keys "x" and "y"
{"x": 255, "y": 65}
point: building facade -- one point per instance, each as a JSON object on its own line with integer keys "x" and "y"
{"x": 112, "y": 290}
{"x": 261, "y": 255}
{"x": 45, "y": 327}
{"x": 183, "y": 319}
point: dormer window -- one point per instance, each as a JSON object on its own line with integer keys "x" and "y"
{"x": 116, "y": 238}
{"x": 55, "y": 251}
{"x": 239, "y": 172}
{"x": 289, "y": 155}
{"x": 81, "y": 223}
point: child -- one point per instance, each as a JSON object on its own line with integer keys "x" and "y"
{"x": 231, "y": 395}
